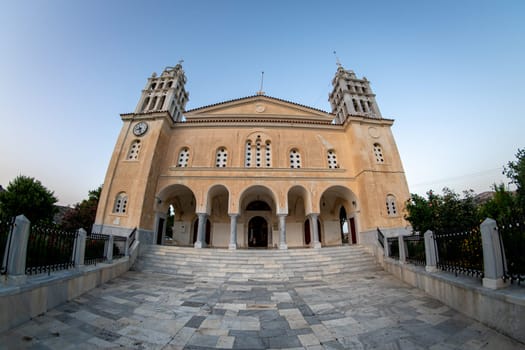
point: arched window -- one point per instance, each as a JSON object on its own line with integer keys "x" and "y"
{"x": 295, "y": 159}
{"x": 161, "y": 102}
{"x": 222, "y": 157}
{"x": 153, "y": 103}
{"x": 133, "y": 153}
{"x": 145, "y": 104}
{"x": 268, "y": 154}
{"x": 378, "y": 152}
{"x": 248, "y": 154}
{"x": 332, "y": 159}
{"x": 121, "y": 203}
{"x": 391, "y": 208}
{"x": 184, "y": 157}
{"x": 258, "y": 150}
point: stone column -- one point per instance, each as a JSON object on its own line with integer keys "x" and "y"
{"x": 494, "y": 261}
{"x": 16, "y": 261}
{"x": 80, "y": 248}
{"x": 402, "y": 249}
{"x": 430, "y": 252}
{"x": 313, "y": 226}
{"x": 109, "y": 249}
{"x": 282, "y": 232}
{"x": 233, "y": 231}
{"x": 199, "y": 243}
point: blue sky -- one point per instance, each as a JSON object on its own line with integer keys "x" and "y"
{"x": 451, "y": 73}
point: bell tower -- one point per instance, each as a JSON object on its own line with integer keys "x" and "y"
{"x": 165, "y": 93}
{"x": 352, "y": 96}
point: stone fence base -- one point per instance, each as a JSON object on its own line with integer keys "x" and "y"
{"x": 502, "y": 310}
{"x": 40, "y": 293}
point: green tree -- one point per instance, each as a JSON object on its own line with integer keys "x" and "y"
{"x": 27, "y": 196}
{"x": 501, "y": 207}
{"x": 83, "y": 214}
{"x": 515, "y": 171}
{"x": 442, "y": 213}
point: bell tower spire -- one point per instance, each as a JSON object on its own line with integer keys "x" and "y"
{"x": 165, "y": 93}
{"x": 352, "y": 96}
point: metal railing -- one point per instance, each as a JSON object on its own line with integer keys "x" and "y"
{"x": 49, "y": 250}
{"x": 415, "y": 249}
{"x": 96, "y": 248}
{"x": 393, "y": 247}
{"x": 512, "y": 236}
{"x": 460, "y": 253}
{"x": 380, "y": 238}
{"x": 6, "y": 227}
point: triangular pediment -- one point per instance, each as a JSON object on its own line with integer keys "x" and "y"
{"x": 259, "y": 107}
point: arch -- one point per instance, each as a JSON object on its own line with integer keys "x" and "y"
{"x": 178, "y": 201}
{"x": 218, "y": 193}
{"x": 294, "y": 194}
{"x": 332, "y": 202}
{"x": 258, "y": 192}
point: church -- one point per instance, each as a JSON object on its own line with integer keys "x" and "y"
{"x": 256, "y": 172}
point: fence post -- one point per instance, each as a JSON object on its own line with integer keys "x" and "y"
{"x": 493, "y": 260}
{"x": 430, "y": 252}
{"x": 109, "y": 249}
{"x": 80, "y": 248}
{"x": 402, "y": 249}
{"x": 16, "y": 263}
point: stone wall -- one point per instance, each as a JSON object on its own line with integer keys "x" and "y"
{"x": 502, "y": 309}
{"x": 40, "y": 293}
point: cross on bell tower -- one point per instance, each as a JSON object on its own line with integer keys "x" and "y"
{"x": 165, "y": 93}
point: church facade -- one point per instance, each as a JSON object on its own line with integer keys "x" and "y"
{"x": 254, "y": 172}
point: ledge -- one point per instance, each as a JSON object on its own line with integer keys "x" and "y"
{"x": 40, "y": 293}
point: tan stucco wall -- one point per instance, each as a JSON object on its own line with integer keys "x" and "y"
{"x": 150, "y": 181}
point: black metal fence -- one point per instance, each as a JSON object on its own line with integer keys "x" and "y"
{"x": 415, "y": 249}
{"x": 460, "y": 253}
{"x": 513, "y": 237}
{"x": 393, "y": 247}
{"x": 380, "y": 238}
{"x": 5, "y": 229}
{"x": 49, "y": 250}
{"x": 96, "y": 251}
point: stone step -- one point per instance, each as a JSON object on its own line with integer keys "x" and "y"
{"x": 215, "y": 265}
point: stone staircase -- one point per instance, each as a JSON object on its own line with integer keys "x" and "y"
{"x": 254, "y": 264}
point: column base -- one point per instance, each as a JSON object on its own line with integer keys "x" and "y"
{"x": 198, "y": 245}
{"x": 494, "y": 283}
{"x": 16, "y": 280}
{"x": 317, "y": 245}
{"x": 283, "y": 246}
{"x": 232, "y": 246}
{"x": 431, "y": 269}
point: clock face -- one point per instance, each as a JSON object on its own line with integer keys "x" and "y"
{"x": 140, "y": 128}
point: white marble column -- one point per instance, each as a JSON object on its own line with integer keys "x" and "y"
{"x": 314, "y": 229}
{"x": 233, "y": 231}
{"x": 199, "y": 243}
{"x": 282, "y": 232}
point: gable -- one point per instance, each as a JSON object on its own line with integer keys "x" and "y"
{"x": 260, "y": 107}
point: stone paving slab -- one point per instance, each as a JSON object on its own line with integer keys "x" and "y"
{"x": 346, "y": 311}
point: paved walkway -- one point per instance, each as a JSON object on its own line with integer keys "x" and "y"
{"x": 157, "y": 311}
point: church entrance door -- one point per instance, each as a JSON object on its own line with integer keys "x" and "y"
{"x": 258, "y": 232}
